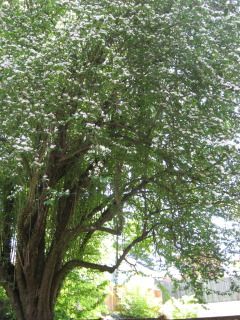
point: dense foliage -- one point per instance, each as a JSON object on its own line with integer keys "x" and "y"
{"x": 119, "y": 118}
{"x": 136, "y": 303}
{"x": 6, "y": 310}
{"x": 82, "y": 297}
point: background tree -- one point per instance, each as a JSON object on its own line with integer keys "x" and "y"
{"x": 117, "y": 118}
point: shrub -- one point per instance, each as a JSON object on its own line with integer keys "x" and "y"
{"x": 139, "y": 304}
{"x": 82, "y": 296}
{"x": 6, "y": 311}
{"x": 181, "y": 308}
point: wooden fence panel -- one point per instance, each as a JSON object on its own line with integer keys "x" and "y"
{"x": 237, "y": 317}
{"x": 221, "y": 290}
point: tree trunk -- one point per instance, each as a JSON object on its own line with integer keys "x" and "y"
{"x": 31, "y": 298}
{"x": 32, "y": 309}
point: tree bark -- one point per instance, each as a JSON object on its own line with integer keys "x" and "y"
{"x": 30, "y": 293}
{"x": 32, "y": 307}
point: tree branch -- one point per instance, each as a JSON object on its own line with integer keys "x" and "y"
{"x": 70, "y": 265}
{"x": 109, "y": 230}
{"x": 107, "y": 215}
{"x": 69, "y": 157}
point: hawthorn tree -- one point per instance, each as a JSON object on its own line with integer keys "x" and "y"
{"x": 117, "y": 118}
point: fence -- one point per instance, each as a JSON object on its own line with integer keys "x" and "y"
{"x": 215, "y": 318}
{"x": 220, "y": 290}
{"x": 237, "y": 317}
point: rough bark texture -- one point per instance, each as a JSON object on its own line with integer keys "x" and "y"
{"x": 30, "y": 299}
{"x": 31, "y": 272}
